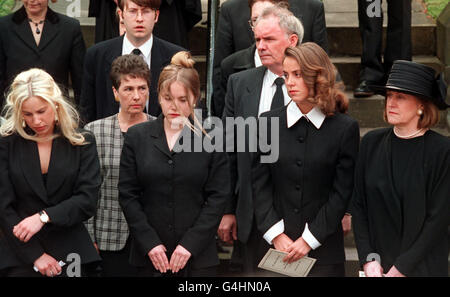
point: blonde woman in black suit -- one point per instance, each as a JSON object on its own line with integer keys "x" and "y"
{"x": 302, "y": 197}
{"x": 172, "y": 198}
{"x": 49, "y": 180}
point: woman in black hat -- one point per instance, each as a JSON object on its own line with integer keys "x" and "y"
{"x": 402, "y": 189}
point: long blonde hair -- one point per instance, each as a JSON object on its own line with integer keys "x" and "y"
{"x": 38, "y": 83}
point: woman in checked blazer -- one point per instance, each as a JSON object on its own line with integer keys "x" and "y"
{"x": 130, "y": 78}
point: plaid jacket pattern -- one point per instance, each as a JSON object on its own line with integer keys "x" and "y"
{"x": 108, "y": 228}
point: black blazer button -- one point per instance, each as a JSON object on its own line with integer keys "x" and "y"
{"x": 301, "y": 139}
{"x": 170, "y": 227}
{"x": 298, "y": 187}
{"x": 296, "y": 210}
{"x": 299, "y": 163}
{"x": 170, "y": 204}
{"x": 170, "y": 162}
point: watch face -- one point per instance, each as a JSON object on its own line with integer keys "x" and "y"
{"x": 44, "y": 217}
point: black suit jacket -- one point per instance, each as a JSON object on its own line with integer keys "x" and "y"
{"x": 242, "y": 100}
{"x": 239, "y": 61}
{"x": 171, "y": 198}
{"x": 69, "y": 198}
{"x": 61, "y": 49}
{"x": 97, "y": 98}
{"x": 311, "y": 182}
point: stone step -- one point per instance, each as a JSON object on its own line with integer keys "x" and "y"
{"x": 344, "y": 36}
{"x": 347, "y": 40}
{"x": 349, "y": 67}
{"x": 344, "y": 13}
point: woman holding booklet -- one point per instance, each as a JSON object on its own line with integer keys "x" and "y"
{"x": 301, "y": 198}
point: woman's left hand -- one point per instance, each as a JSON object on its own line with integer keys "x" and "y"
{"x": 179, "y": 258}
{"x": 393, "y": 272}
{"x": 28, "y": 227}
{"x": 297, "y": 250}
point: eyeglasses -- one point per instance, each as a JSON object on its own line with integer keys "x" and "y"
{"x": 132, "y": 12}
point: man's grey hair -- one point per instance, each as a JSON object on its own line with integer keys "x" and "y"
{"x": 288, "y": 22}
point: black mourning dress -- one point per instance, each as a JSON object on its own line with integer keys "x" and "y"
{"x": 401, "y": 200}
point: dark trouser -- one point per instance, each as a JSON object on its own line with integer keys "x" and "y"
{"x": 116, "y": 263}
{"x": 248, "y": 255}
{"x": 188, "y": 271}
{"x": 398, "y": 40}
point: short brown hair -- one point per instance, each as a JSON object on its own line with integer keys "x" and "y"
{"x": 430, "y": 115}
{"x": 319, "y": 75}
{"x": 154, "y": 4}
{"x": 132, "y": 65}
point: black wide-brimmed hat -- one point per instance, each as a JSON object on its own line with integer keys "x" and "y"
{"x": 416, "y": 79}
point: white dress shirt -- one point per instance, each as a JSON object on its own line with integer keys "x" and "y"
{"x": 268, "y": 90}
{"x": 316, "y": 117}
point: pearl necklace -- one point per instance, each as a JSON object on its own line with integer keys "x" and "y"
{"x": 407, "y": 136}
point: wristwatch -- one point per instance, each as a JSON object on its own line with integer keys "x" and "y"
{"x": 43, "y": 217}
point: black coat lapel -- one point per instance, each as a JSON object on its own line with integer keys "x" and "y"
{"x": 253, "y": 95}
{"x": 157, "y": 63}
{"x": 49, "y": 32}
{"x": 31, "y": 167}
{"x": 160, "y": 141}
{"x": 114, "y": 52}
{"x": 23, "y": 31}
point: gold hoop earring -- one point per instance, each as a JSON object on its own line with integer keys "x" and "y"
{"x": 24, "y": 124}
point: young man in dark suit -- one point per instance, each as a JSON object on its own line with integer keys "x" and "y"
{"x": 235, "y": 50}
{"x": 249, "y": 93}
{"x": 139, "y": 17}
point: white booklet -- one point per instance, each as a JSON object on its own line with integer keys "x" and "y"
{"x": 273, "y": 261}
